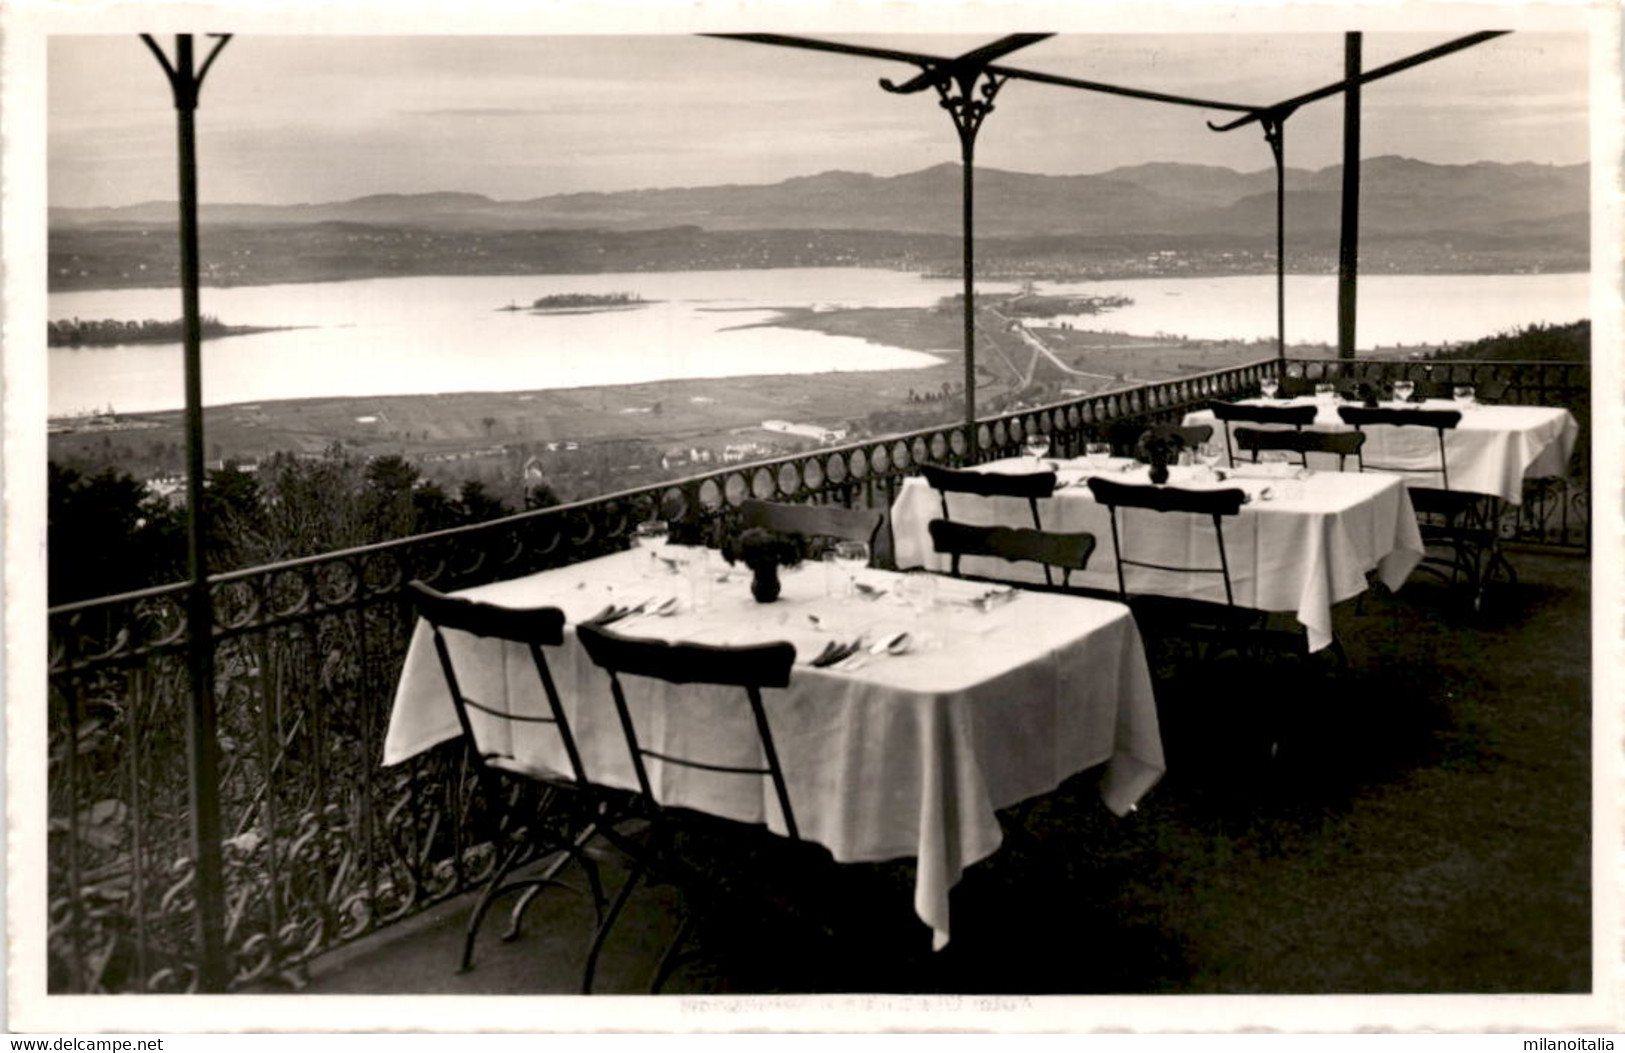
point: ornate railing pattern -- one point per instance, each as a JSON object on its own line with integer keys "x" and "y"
{"x": 321, "y": 844}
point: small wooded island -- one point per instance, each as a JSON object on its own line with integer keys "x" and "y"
{"x": 580, "y": 302}
{"x": 1031, "y": 304}
{"x": 110, "y": 332}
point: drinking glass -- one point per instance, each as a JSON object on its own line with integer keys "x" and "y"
{"x": 919, "y": 590}
{"x": 1097, "y": 453}
{"x": 697, "y": 571}
{"x": 1036, "y": 445}
{"x": 1269, "y": 386}
{"x": 1325, "y": 392}
{"x": 832, "y": 573}
{"x": 851, "y": 557}
{"x": 1210, "y": 453}
{"x": 651, "y": 536}
{"x": 1465, "y": 395}
{"x": 1403, "y": 390}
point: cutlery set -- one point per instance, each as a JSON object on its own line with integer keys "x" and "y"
{"x": 848, "y": 657}
{"x": 654, "y": 606}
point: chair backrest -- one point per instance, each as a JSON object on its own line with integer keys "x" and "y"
{"x": 1440, "y": 421}
{"x": 824, "y": 521}
{"x": 1031, "y": 485}
{"x": 1189, "y": 435}
{"x": 532, "y": 627}
{"x": 1344, "y": 444}
{"x": 1292, "y": 387}
{"x": 752, "y": 668}
{"x": 1216, "y": 504}
{"x": 1294, "y": 415}
{"x": 1068, "y": 552}
{"x": 1228, "y": 412}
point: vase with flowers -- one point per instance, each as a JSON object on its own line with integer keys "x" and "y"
{"x": 1159, "y": 449}
{"x": 1367, "y": 393}
{"x": 764, "y": 552}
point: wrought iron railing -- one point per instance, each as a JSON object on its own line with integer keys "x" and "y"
{"x": 321, "y": 845}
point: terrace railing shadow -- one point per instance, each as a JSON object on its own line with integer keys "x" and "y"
{"x": 321, "y": 845}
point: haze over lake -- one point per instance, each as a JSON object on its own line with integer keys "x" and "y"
{"x": 394, "y": 336}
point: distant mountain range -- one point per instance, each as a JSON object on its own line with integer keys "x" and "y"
{"x": 1399, "y": 196}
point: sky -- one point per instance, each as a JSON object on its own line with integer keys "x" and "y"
{"x": 327, "y": 117}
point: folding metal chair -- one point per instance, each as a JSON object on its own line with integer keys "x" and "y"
{"x": 752, "y": 668}
{"x": 1034, "y": 486}
{"x": 1066, "y": 552}
{"x": 1344, "y": 444}
{"x": 1458, "y": 520}
{"x": 569, "y": 793}
{"x": 1227, "y": 413}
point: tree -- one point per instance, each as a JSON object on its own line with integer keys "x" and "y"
{"x": 477, "y": 505}
{"x": 231, "y": 497}
{"x": 106, "y": 535}
{"x": 387, "y": 501}
{"x": 432, "y": 508}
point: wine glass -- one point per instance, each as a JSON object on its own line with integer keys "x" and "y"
{"x": 1036, "y": 445}
{"x": 1403, "y": 390}
{"x": 1269, "y": 386}
{"x": 651, "y": 536}
{"x": 1210, "y": 453}
{"x": 1325, "y": 391}
{"x": 1465, "y": 395}
{"x": 1097, "y": 453}
{"x": 851, "y": 557}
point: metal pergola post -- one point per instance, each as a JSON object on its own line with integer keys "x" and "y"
{"x": 1275, "y": 134}
{"x": 966, "y": 86}
{"x": 203, "y": 767}
{"x": 1348, "y": 250}
{"x": 1273, "y": 120}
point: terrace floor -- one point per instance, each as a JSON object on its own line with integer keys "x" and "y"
{"x": 1423, "y": 827}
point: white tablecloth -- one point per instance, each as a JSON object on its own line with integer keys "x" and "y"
{"x": 1305, "y": 548}
{"x": 907, "y": 756}
{"x": 1491, "y": 451}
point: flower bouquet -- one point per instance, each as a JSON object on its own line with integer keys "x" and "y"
{"x": 1159, "y": 449}
{"x": 764, "y": 552}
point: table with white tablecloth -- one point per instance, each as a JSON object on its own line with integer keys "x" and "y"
{"x": 1299, "y": 546}
{"x": 907, "y": 755}
{"x": 1491, "y": 451}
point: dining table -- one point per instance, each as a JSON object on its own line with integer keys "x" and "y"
{"x": 1491, "y": 451}
{"x": 987, "y": 697}
{"x": 1304, "y": 541}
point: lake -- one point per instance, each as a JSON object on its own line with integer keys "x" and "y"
{"x": 399, "y": 336}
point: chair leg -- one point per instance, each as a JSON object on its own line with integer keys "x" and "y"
{"x": 573, "y": 851}
{"x": 492, "y": 888}
{"x": 672, "y": 955}
{"x": 602, "y": 934}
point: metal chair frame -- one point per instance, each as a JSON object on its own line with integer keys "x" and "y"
{"x": 751, "y": 668}
{"x": 1065, "y": 552}
{"x": 1227, "y": 413}
{"x": 1216, "y": 504}
{"x": 533, "y": 628}
{"x": 1033, "y": 486}
{"x": 1344, "y": 444}
{"x": 1468, "y": 525}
